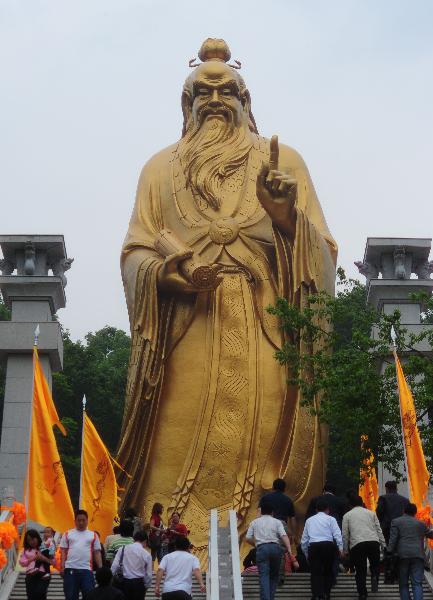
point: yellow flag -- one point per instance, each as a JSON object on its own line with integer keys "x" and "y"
{"x": 418, "y": 474}
{"x": 98, "y": 483}
{"x": 47, "y": 494}
{"x": 368, "y": 488}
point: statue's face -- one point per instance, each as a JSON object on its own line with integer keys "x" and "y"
{"x": 216, "y": 95}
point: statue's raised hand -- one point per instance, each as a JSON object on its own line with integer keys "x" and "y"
{"x": 276, "y": 191}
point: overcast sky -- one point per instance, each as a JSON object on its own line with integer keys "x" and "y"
{"x": 90, "y": 89}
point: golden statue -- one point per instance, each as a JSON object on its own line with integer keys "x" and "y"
{"x": 225, "y": 221}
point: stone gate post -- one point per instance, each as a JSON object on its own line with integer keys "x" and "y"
{"x": 32, "y": 284}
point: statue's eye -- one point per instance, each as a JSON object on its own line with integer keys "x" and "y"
{"x": 227, "y": 92}
{"x": 203, "y": 92}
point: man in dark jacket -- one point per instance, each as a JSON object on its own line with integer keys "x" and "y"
{"x": 407, "y": 540}
{"x": 282, "y": 506}
{"x": 104, "y": 590}
{"x": 390, "y": 506}
{"x": 336, "y": 506}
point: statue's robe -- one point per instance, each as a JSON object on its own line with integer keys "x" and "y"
{"x": 209, "y": 418}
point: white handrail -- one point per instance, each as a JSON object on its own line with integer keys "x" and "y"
{"x": 213, "y": 590}
{"x": 12, "y": 554}
{"x": 236, "y": 561}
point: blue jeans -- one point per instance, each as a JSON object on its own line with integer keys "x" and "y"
{"x": 268, "y": 558}
{"x": 76, "y": 580}
{"x": 412, "y": 568}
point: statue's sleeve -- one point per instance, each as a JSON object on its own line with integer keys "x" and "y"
{"x": 139, "y": 260}
{"x": 309, "y": 260}
{"x": 140, "y": 264}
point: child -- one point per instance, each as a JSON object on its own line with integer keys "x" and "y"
{"x": 47, "y": 549}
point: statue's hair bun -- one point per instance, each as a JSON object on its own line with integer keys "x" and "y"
{"x": 214, "y": 49}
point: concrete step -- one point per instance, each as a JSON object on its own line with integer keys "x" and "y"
{"x": 55, "y": 590}
{"x": 296, "y": 587}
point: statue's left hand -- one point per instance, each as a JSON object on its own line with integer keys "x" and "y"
{"x": 277, "y": 191}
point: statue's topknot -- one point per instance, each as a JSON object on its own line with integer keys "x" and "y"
{"x": 214, "y": 49}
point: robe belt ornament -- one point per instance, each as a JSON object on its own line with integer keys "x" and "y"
{"x": 224, "y": 230}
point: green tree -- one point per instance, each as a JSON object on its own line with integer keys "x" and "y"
{"x": 333, "y": 357}
{"x": 98, "y": 370}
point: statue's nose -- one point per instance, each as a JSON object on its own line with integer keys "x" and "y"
{"x": 215, "y": 99}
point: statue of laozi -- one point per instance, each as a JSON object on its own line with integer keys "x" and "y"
{"x": 225, "y": 221}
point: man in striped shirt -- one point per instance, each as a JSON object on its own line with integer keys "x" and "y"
{"x": 126, "y": 530}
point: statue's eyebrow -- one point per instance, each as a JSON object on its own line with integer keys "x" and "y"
{"x": 231, "y": 83}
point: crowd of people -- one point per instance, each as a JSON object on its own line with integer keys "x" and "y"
{"x": 122, "y": 566}
{"x": 339, "y": 535}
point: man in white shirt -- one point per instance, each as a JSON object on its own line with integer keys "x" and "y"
{"x": 266, "y": 533}
{"x": 178, "y": 567}
{"x": 79, "y": 549}
{"x": 362, "y": 535}
{"x": 135, "y": 564}
{"x": 320, "y": 539}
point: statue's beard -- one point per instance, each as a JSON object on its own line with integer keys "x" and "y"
{"x": 212, "y": 151}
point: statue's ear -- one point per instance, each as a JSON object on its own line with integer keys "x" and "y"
{"x": 246, "y": 103}
{"x": 246, "y": 100}
{"x": 186, "y": 110}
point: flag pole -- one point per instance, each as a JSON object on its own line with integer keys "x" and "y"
{"x": 394, "y": 351}
{"x": 26, "y": 483}
{"x": 82, "y": 451}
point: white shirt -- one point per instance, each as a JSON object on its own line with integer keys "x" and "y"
{"x": 320, "y": 528}
{"x": 361, "y": 525}
{"x": 178, "y": 567}
{"x": 266, "y": 530}
{"x": 137, "y": 562}
{"x": 80, "y": 546}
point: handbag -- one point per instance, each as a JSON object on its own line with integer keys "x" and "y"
{"x": 118, "y": 575}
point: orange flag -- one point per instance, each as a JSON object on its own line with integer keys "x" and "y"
{"x": 418, "y": 475}
{"x": 98, "y": 483}
{"x": 368, "y": 488}
{"x": 47, "y": 495}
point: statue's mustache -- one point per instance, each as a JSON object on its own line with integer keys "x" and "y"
{"x": 209, "y": 111}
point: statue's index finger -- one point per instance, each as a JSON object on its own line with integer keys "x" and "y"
{"x": 274, "y": 153}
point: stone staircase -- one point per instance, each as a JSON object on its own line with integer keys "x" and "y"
{"x": 296, "y": 587}
{"x": 55, "y": 590}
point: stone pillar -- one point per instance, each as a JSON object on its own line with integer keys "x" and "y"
{"x": 34, "y": 297}
{"x": 395, "y": 268}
